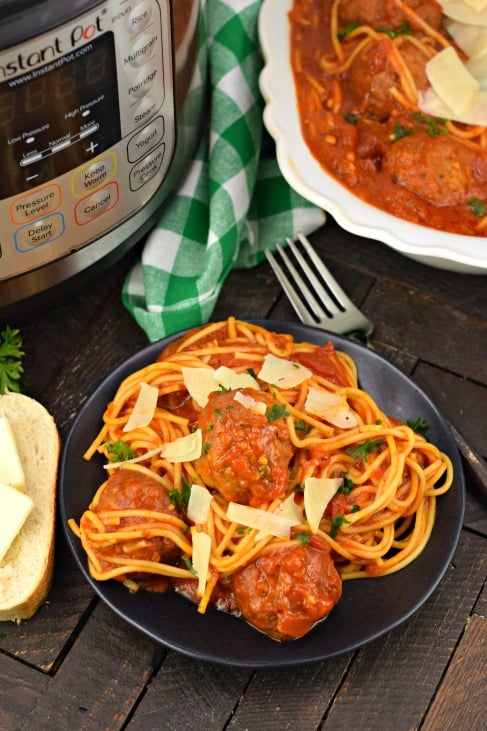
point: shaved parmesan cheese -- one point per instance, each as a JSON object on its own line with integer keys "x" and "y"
{"x": 290, "y": 509}
{"x": 229, "y": 378}
{"x": 200, "y": 382}
{"x": 449, "y": 78}
{"x": 472, "y": 39}
{"x": 330, "y": 406}
{"x": 183, "y": 449}
{"x": 268, "y": 523}
{"x": 430, "y": 103}
{"x": 199, "y": 503}
{"x": 318, "y": 491}
{"x": 257, "y": 407}
{"x": 465, "y": 11}
{"x": 478, "y": 68}
{"x": 477, "y": 5}
{"x": 144, "y": 408}
{"x": 201, "y": 557}
{"x": 282, "y": 372}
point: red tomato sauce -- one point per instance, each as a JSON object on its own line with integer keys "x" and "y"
{"x": 385, "y": 151}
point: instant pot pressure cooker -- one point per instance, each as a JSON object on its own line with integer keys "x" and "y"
{"x": 92, "y": 109}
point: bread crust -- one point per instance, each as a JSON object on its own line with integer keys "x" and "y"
{"x": 26, "y": 570}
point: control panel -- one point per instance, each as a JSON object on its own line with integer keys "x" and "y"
{"x": 87, "y": 129}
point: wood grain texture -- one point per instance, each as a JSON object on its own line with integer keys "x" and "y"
{"x": 21, "y": 687}
{"x": 460, "y": 704}
{"x": 106, "y": 671}
{"x": 389, "y": 677}
{"x": 197, "y": 694}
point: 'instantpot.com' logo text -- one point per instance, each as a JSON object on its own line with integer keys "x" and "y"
{"x": 58, "y": 46}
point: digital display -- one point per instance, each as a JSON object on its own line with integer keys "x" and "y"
{"x": 58, "y": 116}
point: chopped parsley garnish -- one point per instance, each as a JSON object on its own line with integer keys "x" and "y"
{"x": 301, "y": 426}
{"x": 351, "y": 119}
{"x": 355, "y": 508}
{"x": 278, "y": 411}
{"x": 434, "y": 126}
{"x": 364, "y": 449}
{"x": 189, "y": 565}
{"x": 251, "y": 372}
{"x": 404, "y": 30}
{"x": 477, "y": 207}
{"x": 11, "y": 354}
{"x": 336, "y": 524}
{"x": 303, "y": 538}
{"x": 119, "y": 451}
{"x": 347, "y": 30}
{"x": 180, "y": 499}
{"x": 206, "y": 447}
{"x": 347, "y": 486}
{"x": 400, "y": 131}
{"x": 420, "y": 426}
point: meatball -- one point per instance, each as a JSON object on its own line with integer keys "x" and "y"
{"x": 386, "y": 13}
{"x": 126, "y": 489}
{"x": 438, "y": 170}
{"x": 372, "y": 75}
{"x": 287, "y": 591}
{"x": 245, "y": 455}
{"x": 369, "y": 80}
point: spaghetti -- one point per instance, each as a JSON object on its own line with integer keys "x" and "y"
{"x": 290, "y": 425}
{"x": 359, "y": 70}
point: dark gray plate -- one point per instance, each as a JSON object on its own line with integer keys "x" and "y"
{"x": 368, "y": 608}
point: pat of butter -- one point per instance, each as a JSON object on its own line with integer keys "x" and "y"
{"x": 11, "y": 472}
{"x": 15, "y": 506}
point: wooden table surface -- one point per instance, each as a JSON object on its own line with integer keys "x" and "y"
{"x": 76, "y": 665}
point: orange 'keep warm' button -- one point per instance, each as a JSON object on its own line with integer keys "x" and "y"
{"x": 96, "y": 204}
{"x": 35, "y": 204}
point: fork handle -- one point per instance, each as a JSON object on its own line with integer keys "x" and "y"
{"x": 474, "y": 461}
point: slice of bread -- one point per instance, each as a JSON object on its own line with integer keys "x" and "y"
{"x": 27, "y": 568}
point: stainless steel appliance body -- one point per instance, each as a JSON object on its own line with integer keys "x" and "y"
{"x": 92, "y": 108}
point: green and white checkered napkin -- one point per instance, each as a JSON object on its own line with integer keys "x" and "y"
{"x": 233, "y": 203}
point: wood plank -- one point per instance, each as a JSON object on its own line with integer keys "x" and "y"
{"x": 291, "y": 699}
{"x": 396, "y": 676}
{"x": 434, "y": 331}
{"x": 461, "y": 702}
{"x": 40, "y": 641}
{"x": 100, "y": 682}
{"x": 455, "y": 397}
{"x": 20, "y": 689}
{"x": 467, "y": 292}
{"x": 197, "y": 694}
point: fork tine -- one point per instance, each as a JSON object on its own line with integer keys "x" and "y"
{"x": 341, "y": 298}
{"x": 314, "y": 293}
{"x": 287, "y": 286}
{"x": 324, "y": 295}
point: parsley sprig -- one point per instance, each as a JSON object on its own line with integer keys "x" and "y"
{"x": 11, "y": 355}
{"x": 278, "y": 411}
{"x": 119, "y": 451}
{"x": 365, "y": 448}
{"x": 180, "y": 499}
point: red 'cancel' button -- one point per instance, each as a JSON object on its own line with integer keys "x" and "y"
{"x": 96, "y": 204}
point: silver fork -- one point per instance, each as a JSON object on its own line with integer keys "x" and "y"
{"x": 314, "y": 293}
